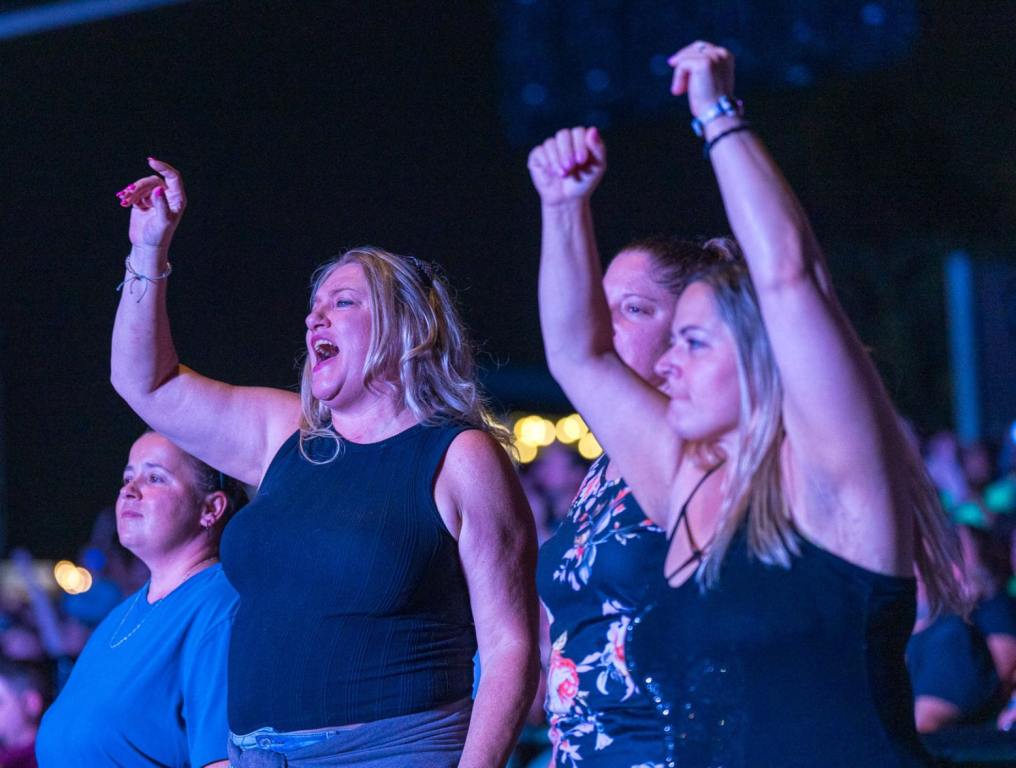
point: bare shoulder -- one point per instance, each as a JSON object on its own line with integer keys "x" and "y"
{"x": 476, "y": 481}
{"x": 474, "y": 451}
{"x": 475, "y": 465}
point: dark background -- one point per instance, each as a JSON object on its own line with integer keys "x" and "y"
{"x": 306, "y": 127}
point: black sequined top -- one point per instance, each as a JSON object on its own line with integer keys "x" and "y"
{"x": 781, "y": 667}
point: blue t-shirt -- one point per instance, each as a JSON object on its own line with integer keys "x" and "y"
{"x": 950, "y": 660}
{"x": 996, "y": 616}
{"x": 150, "y": 686}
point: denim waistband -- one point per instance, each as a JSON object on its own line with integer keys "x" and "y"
{"x": 388, "y": 742}
{"x": 277, "y": 741}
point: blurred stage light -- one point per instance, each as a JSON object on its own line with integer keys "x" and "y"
{"x": 32, "y": 18}
{"x": 570, "y": 429}
{"x": 589, "y": 448}
{"x": 535, "y": 430}
{"x": 526, "y": 452}
{"x": 71, "y": 578}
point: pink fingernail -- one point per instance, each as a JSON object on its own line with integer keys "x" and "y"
{"x": 157, "y": 192}
{"x": 131, "y": 186}
{"x": 124, "y": 204}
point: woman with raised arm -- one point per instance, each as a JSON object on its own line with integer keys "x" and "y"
{"x": 149, "y": 688}
{"x": 389, "y": 537}
{"x": 795, "y": 509}
{"x": 594, "y": 571}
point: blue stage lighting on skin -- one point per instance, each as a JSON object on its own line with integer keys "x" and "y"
{"x": 41, "y": 18}
{"x": 534, "y": 95}
{"x": 873, "y": 14}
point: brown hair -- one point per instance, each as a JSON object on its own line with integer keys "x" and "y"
{"x": 676, "y": 259}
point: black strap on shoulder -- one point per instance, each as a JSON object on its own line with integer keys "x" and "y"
{"x": 682, "y": 517}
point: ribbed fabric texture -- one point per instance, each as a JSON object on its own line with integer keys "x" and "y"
{"x": 353, "y": 603}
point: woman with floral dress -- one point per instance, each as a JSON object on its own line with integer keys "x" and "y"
{"x": 777, "y": 623}
{"x": 594, "y": 571}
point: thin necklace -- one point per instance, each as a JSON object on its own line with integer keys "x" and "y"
{"x": 190, "y": 572}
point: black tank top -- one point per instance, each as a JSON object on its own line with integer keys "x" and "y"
{"x": 792, "y": 668}
{"x": 353, "y": 603}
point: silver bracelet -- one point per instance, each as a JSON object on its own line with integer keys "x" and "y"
{"x": 726, "y": 106}
{"x": 137, "y": 277}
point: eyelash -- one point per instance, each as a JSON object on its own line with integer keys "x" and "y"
{"x": 150, "y": 479}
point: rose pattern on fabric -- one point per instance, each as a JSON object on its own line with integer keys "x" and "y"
{"x": 603, "y": 516}
{"x": 562, "y": 679}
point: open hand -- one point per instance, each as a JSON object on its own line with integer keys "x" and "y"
{"x": 569, "y": 165}
{"x": 157, "y": 202}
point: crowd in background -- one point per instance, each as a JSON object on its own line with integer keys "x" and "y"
{"x": 970, "y": 665}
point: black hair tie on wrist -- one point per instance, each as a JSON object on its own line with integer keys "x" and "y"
{"x": 719, "y": 137}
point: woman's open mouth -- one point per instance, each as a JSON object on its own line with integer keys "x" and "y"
{"x": 324, "y": 351}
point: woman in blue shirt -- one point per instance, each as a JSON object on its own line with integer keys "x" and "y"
{"x": 150, "y": 686}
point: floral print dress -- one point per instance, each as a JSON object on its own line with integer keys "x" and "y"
{"x": 594, "y": 575}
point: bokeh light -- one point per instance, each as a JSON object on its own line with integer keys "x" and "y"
{"x": 72, "y": 579}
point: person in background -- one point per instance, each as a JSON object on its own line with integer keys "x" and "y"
{"x": 558, "y": 472}
{"x": 987, "y": 572}
{"x": 119, "y": 566}
{"x": 951, "y": 671}
{"x": 945, "y": 468}
{"x": 149, "y": 688}
{"x": 23, "y": 696}
{"x": 595, "y": 570}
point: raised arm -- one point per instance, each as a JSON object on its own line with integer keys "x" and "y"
{"x": 234, "y": 429}
{"x": 576, "y": 323}
{"x": 845, "y": 449}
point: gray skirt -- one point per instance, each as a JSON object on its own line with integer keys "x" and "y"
{"x": 431, "y": 739}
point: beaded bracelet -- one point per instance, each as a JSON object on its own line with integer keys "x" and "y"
{"x": 719, "y": 137}
{"x": 137, "y": 277}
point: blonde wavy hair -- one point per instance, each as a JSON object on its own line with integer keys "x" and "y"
{"x": 419, "y": 351}
{"x": 753, "y": 496}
